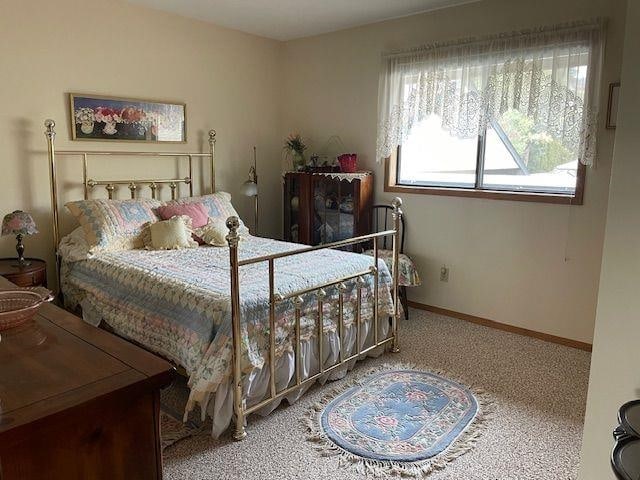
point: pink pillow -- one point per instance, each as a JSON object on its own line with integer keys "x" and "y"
{"x": 197, "y": 212}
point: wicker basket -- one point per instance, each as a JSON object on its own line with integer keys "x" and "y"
{"x": 348, "y": 162}
{"x": 19, "y": 305}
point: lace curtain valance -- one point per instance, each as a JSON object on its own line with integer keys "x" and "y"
{"x": 551, "y": 75}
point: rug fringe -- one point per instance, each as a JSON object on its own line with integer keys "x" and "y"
{"x": 366, "y": 466}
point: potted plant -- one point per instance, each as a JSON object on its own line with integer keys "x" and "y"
{"x": 294, "y": 146}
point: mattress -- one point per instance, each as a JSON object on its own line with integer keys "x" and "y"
{"x": 177, "y": 303}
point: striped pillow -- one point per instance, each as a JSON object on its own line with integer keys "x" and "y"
{"x": 113, "y": 224}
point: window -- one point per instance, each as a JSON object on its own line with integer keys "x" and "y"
{"x": 509, "y": 156}
{"x": 509, "y": 116}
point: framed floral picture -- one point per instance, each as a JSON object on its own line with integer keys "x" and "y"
{"x": 126, "y": 119}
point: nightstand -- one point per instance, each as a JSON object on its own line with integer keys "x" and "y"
{"x": 33, "y": 275}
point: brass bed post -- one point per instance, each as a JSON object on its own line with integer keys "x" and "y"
{"x": 359, "y": 284}
{"x": 272, "y": 329}
{"x": 51, "y": 154}
{"x": 191, "y": 175}
{"x": 396, "y": 203}
{"x": 341, "y": 289}
{"x": 321, "y": 296}
{"x": 85, "y": 166}
{"x": 233, "y": 223}
{"x": 298, "y": 303}
{"x": 376, "y": 276}
{"x": 212, "y": 152}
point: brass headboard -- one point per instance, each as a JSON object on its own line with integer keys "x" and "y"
{"x": 111, "y": 184}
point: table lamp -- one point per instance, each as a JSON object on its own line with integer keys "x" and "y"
{"x": 19, "y": 223}
{"x": 250, "y": 189}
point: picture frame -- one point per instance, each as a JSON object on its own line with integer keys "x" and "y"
{"x": 121, "y": 119}
{"x": 612, "y": 105}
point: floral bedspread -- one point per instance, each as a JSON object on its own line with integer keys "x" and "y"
{"x": 177, "y": 302}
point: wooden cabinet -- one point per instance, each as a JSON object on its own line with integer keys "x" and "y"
{"x": 326, "y": 207}
{"x": 77, "y": 402}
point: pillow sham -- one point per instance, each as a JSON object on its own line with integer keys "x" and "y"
{"x": 172, "y": 234}
{"x": 218, "y": 206}
{"x": 195, "y": 210}
{"x": 74, "y": 247}
{"x": 113, "y": 224}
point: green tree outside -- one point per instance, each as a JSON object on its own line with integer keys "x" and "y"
{"x": 539, "y": 150}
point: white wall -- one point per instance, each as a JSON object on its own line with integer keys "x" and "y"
{"x": 530, "y": 265}
{"x": 615, "y": 366}
{"x": 230, "y": 81}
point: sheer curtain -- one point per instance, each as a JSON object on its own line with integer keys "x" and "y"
{"x": 550, "y": 74}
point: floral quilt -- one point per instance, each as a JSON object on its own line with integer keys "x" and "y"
{"x": 177, "y": 302}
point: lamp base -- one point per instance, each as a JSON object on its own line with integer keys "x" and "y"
{"x": 20, "y": 249}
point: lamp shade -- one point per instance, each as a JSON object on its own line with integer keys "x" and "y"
{"x": 18, "y": 223}
{"x": 249, "y": 188}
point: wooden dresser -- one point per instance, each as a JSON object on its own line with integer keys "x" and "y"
{"x": 77, "y": 402}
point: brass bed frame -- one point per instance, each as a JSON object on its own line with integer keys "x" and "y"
{"x": 241, "y": 410}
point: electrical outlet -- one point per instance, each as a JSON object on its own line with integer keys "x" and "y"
{"x": 444, "y": 274}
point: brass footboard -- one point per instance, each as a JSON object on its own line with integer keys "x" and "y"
{"x": 240, "y": 407}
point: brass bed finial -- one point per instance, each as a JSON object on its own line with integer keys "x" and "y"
{"x": 49, "y": 124}
{"x": 396, "y": 203}
{"x": 233, "y": 223}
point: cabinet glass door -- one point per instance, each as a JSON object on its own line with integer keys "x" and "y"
{"x": 345, "y": 209}
{"x": 333, "y": 210}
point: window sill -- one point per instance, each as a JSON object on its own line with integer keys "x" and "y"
{"x": 490, "y": 194}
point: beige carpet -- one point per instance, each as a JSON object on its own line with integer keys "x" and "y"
{"x": 535, "y": 434}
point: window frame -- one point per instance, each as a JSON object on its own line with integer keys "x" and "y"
{"x": 391, "y": 184}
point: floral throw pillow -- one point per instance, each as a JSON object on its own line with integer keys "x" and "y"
{"x": 113, "y": 224}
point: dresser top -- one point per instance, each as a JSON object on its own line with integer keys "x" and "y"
{"x": 57, "y": 361}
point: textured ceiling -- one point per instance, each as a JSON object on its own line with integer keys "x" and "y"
{"x": 290, "y": 19}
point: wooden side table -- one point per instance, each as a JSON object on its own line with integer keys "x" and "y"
{"x": 32, "y": 275}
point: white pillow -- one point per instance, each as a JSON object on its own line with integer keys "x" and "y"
{"x": 74, "y": 247}
{"x": 215, "y": 232}
{"x": 172, "y": 234}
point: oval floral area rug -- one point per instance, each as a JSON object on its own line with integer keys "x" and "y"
{"x": 405, "y": 421}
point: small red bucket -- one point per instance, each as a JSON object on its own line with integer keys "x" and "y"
{"x": 348, "y": 162}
